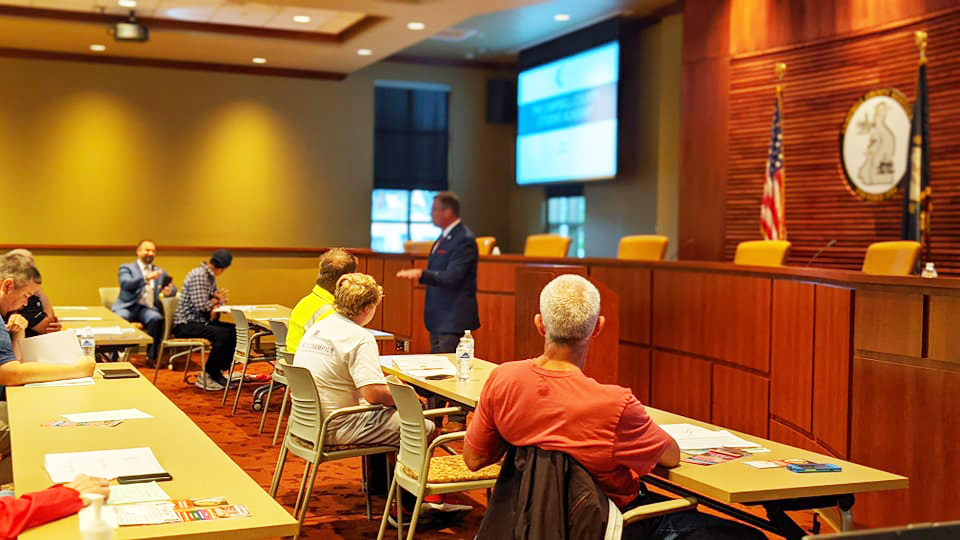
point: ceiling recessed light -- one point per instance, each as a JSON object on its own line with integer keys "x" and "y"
{"x": 561, "y": 17}
{"x": 416, "y": 26}
{"x": 127, "y": 3}
{"x": 364, "y": 52}
{"x": 96, "y": 47}
{"x": 302, "y": 19}
{"x": 259, "y": 60}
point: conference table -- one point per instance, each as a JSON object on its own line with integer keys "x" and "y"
{"x": 718, "y": 486}
{"x": 198, "y": 466}
{"x": 78, "y": 317}
{"x": 261, "y": 314}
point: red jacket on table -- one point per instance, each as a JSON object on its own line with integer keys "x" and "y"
{"x": 37, "y": 508}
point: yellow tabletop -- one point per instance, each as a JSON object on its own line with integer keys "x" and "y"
{"x": 732, "y": 481}
{"x": 261, "y": 314}
{"x": 198, "y": 466}
{"x": 465, "y": 392}
{"x": 99, "y": 317}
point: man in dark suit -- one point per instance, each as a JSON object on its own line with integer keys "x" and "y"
{"x": 450, "y": 277}
{"x": 141, "y": 286}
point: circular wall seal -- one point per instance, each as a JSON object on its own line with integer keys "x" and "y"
{"x": 874, "y": 143}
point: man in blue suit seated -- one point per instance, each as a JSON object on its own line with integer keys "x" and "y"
{"x": 451, "y": 280}
{"x": 141, "y": 286}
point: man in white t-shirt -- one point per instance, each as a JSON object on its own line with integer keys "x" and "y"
{"x": 345, "y": 363}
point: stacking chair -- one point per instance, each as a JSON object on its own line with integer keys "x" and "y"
{"x": 417, "y": 248}
{"x": 891, "y": 258}
{"x": 108, "y": 296}
{"x": 532, "y": 480}
{"x": 186, "y": 346}
{"x": 762, "y": 253}
{"x": 306, "y": 438}
{"x": 546, "y": 245}
{"x": 241, "y": 355}
{"x": 284, "y": 359}
{"x": 485, "y": 244}
{"x": 417, "y": 471}
{"x": 643, "y": 247}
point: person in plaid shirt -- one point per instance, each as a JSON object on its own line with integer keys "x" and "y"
{"x": 195, "y": 317}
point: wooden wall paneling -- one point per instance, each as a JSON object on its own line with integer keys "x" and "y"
{"x": 738, "y": 320}
{"x": 706, "y": 27}
{"x": 632, "y": 285}
{"x": 722, "y": 316}
{"x": 824, "y": 78}
{"x": 782, "y": 433}
{"x": 397, "y": 299}
{"x": 603, "y": 358}
{"x": 831, "y": 367}
{"x": 888, "y": 322}
{"x": 682, "y": 385}
{"x": 494, "y": 338}
{"x": 678, "y": 315}
{"x": 496, "y": 276}
{"x": 704, "y": 107}
{"x": 420, "y": 340}
{"x": 635, "y": 371}
{"x": 530, "y": 280}
{"x": 791, "y": 353}
{"x": 904, "y": 424}
{"x": 943, "y": 335}
{"x": 740, "y": 400}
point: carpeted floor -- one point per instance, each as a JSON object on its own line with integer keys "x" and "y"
{"x": 337, "y": 506}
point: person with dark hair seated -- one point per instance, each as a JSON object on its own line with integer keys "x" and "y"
{"x": 549, "y": 403}
{"x": 196, "y": 318}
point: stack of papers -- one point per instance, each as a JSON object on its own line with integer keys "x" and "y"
{"x": 422, "y": 365}
{"x": 53, "y": 348}
{"x": 82, "y": 381}
{"x": 103, "y": 463}
{"x": 691, "y": 437}
{"x": 112, "y": 330}
{"x": 101, "y": 416}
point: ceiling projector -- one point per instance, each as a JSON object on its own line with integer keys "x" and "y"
{"x": 130, "y": 30}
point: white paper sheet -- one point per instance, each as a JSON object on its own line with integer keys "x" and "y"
{"x": 406, "y": 362}
{"x": 137, "y": 493}
{"x": 691, "y": 437}
{"x": 145, "y": 513}
{"x": 53, "y": 348}
{"x": 118, "y": 414}
{"x": 425, "y": 373}
{"x": 227, "y": 307}
{"x": 111, "y": 330}
{"x": 82, "y": 381}
{"x": 103, "y": 463}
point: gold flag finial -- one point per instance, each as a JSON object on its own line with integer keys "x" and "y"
{"x": 780, "y": 70}
{"x": 921, "y": 39}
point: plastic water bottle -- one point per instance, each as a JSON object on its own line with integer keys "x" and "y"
{"x": 465, "y": 356}
{"x": 928, "y": 271}
{"x": 88, "y": 343}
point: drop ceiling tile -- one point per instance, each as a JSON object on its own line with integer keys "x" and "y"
{"x": 284, "y": 19}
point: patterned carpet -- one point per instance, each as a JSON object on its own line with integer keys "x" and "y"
{"x": 337, "y": 506}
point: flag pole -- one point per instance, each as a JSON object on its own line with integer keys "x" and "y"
{"x": 925, "y": 205}
{"x": 781, "y": 69}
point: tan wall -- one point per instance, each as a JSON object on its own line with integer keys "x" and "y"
{"x": 96, "y": 154}
{"x": 73, "y": 278}
{"x": 643, "y": 199}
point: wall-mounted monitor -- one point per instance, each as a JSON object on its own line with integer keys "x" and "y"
{"x": 567, "y": 118}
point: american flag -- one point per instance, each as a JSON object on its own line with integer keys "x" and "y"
{"x": 771, "y": 207}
